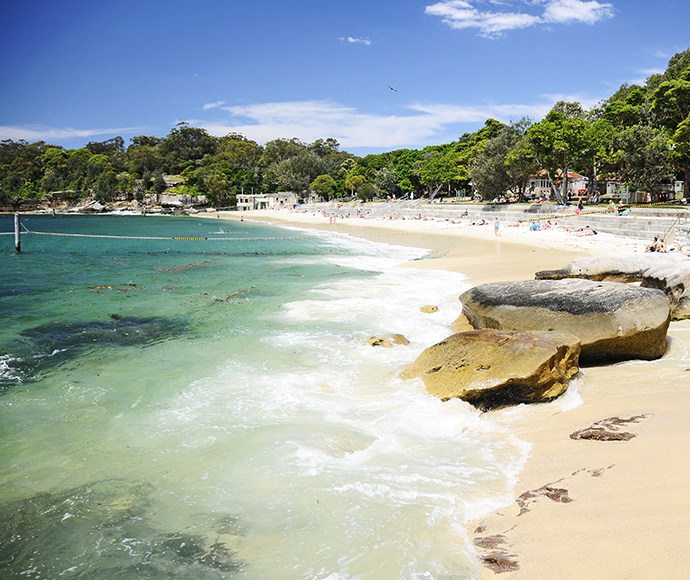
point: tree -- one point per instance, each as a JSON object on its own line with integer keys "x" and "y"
{"x": 144, "y": 140}
{"x": 186, "y": 145}
{"x": 366, "y": 192}
{"x": 239, "y": 151}
{"x": 279, "y": 150}
{"x": 680, "y": 154}
{"x": 217, "y": 185}
{"x": 493, "y": 172}
{"x": 114, "y": 145}
{"x": 159, "y": 185}
{"x": 354, "y": 182}
{"x": 671, "y": 102}
{"x": 298, "y": 172}
{"x": 642, "y": 156}
{"x": 386, "y": 181}
{"x": 322, "y": 148}
{"x": 438, "y": 169}
{"x": 324, "y": 186}
{"x": 142, "y": 159}
{"x": 557, "y": 142}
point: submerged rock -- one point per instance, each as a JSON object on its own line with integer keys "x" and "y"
{"x": 388, "y": 341}
{"x": 613, "y": 321}
{"x": 491, "y": 369}
{"x": 111, "y": 529}
{"x": 48, "y": 345}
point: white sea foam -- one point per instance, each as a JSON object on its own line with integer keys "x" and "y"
{"x": 372, "y": 474}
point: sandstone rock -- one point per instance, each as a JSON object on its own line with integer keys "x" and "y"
{"x": 388, "y": 341}
{"x": 608, "y": 429}
{"x": 620, "y": 269}
{"x": 681, "y": 311}
{"x": 613, "y": 321}
{"x": 668, "y": 272}
{"x": 491, "y": 369}
{"x": 461, "y": 324}
{"x": 429, "y": 309}
{"x": 672, "y": 278}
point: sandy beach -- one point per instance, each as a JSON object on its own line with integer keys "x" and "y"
{"x": 583, "y": 509}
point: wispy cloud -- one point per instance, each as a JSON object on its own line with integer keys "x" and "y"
{"x": 215, "y": 105}
{"x": 33, "y": 133}
{"x": 460, "y": 14}
{"x": 419, "y": 124}
{"x": 352, "y": 40}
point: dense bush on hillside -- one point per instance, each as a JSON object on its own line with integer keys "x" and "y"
{"x": 639, "y": 136}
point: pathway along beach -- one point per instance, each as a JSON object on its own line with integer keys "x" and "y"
{"x": 584, "y": 508}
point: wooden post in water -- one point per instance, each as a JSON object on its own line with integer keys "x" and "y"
{"x": 17, "y": 242}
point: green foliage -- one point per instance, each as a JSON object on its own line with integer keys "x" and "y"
{"x": 557, "y": 142}
{"x": 324, "y": 186}
{"x": 354, "y": 182}
{"x": 366, "y": 192}
{"x": 640, "y": 134}
{"x": 642, "y": 156}
{"x": 493, "y": 173}
{"x": 239, "y": 151}
{"x": 185, "y": 146}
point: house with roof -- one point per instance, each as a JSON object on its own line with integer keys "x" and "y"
{"x": 251, "y": 201}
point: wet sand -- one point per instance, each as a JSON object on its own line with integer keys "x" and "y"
{"x": 584, "y": 508}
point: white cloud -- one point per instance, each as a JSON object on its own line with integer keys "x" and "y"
{"x": 567, "y": 11}
{"x": 215, "y": 105}
{"x": 34, "y": 133}
{"x": 352, "y": 40}
{"x": 461, "y": 14}
{"x": 425, "y": 123}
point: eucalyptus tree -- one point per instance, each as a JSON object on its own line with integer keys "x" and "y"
{"x": 493, "y": 172}
{"x": 239, "y": 151}
{"x": 386, "y": 181}
{"x": 324, "y": 186}
{"x": 557, "y": 142}
{"x": 185, "y": 145}
{"x": 642, "y": 155}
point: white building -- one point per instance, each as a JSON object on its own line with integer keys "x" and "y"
{"x": 250, "y": 201}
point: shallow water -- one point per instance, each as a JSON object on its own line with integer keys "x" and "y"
{"x": 211, "y": 408}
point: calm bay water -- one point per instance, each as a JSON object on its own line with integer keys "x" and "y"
{"x": 211, "y": 408}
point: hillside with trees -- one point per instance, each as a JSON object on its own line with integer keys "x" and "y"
{"x": 639, "y": 136}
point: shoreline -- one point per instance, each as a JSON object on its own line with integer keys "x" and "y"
{"x": 610, "y": 509}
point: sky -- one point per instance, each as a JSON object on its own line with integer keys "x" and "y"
{"x": 376, "y": 75}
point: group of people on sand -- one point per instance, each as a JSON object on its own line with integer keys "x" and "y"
{"x": 658, "y": 245}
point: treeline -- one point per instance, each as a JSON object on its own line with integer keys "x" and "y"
{"x": 217, "y": 167}
{"x": 639, "y": 136}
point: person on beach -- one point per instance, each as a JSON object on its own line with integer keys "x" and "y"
{"x": 652, "y": 247}
{"x": 497, "y": 226}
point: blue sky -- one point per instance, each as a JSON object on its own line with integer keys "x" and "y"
{"x": 79, "y": 71}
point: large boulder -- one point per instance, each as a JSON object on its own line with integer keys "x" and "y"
{"x": 613, "y": 321}
{"x": 674, "y": 280}
{"x": 669, "y": 272}
{"x": 616, "y": 269}
{"x": 681, "y": 311}
{"x": 491, "y": 368}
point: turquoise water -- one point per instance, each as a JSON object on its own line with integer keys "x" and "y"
{"x": 211, "y": 408}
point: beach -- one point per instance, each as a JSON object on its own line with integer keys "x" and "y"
{"x": 584, "y": 508}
